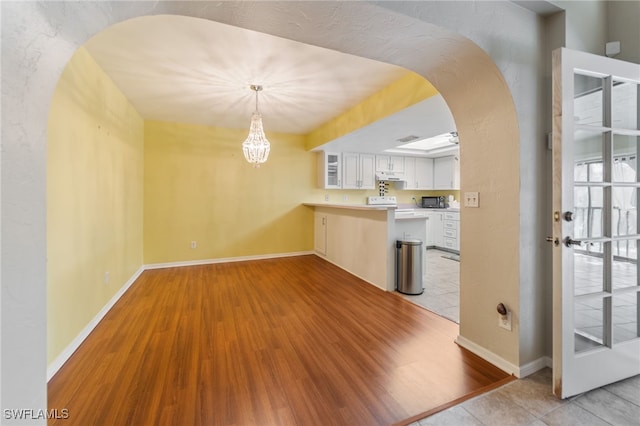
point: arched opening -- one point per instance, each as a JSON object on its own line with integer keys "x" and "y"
{"x": 464, "y": 74}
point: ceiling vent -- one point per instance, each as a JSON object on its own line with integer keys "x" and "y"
{"x": 408, "y": 138}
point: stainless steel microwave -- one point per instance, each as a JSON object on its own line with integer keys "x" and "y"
{"x": 433, "y": 203}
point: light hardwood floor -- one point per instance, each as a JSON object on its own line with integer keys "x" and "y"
{"x": 289, "y": 341}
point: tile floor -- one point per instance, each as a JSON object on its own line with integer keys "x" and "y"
{"x": 529, "y": 402}
{"x": 441, "y": 285}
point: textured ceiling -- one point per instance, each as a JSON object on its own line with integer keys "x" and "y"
{"x": 183, "y": 69}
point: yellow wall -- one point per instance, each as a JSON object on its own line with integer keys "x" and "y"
{"x": 409, "y": 90}
{"x": 123, "y": 192}
{"x": 94, "y": 198}
{"x": 198, "y": 187}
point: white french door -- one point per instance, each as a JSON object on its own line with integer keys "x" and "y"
{"x": 596, "y": 292}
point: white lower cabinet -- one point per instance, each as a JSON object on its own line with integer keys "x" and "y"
{"x": 443, "y": 230}
{"x": 451, "y": 231}
{"x": 435, "y": 237}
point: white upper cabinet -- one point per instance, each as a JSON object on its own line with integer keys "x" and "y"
{"x": 424, "y": 173}
{"x": 389, "y": 163}
{"x": 358, "y": 171}
{"x": 329, "y": 170}
{"x": 446, "y": 173}
{"x": 418, "y": 173}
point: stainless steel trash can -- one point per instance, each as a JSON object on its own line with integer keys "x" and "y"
{"x": 409, "y": 267}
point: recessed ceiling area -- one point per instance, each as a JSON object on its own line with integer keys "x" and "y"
{"x": 190, "y": 70}
{"x": 428, "y": 119}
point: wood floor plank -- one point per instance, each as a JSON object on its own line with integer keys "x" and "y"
{"x": 290, "y": 341}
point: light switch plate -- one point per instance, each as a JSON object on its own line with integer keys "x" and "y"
{"x": 472, "y": 199}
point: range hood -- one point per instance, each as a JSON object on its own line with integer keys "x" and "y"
{"x": 389, "y": 176}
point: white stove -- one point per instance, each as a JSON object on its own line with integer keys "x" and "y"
{"x": 382, "y": 201}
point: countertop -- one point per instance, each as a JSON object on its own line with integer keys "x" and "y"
{"x": 353, "y": 206}
{"x": 419, "y": 213}
{"x": 398, "y": 209}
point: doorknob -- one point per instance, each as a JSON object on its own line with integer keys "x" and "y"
{"x": 568, "y": 216}
{"x": 569, "y": 242}
{"x": 555, "y": 241}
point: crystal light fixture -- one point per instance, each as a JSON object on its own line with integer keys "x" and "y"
{"x": 256, "y": 146}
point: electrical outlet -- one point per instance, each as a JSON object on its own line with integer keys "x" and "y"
{"x": 194, "y": 244}
{"x": 345, "y": 198}
{"x": 504, "y": 321}
{"x": 106, "y": 277}
{"x": 326, "y": 197}
{"x": 472, "y": 199}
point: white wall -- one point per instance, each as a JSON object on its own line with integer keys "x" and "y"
{"x": 585, "y": 24}
{"x": 590, "y": 24}
{"x": 623, "y": 19}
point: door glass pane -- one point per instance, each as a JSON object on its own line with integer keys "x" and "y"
{"x": 589, "y": 150}
{"x": 588, "y": 100}
{"x": 588, "y": 204}
{"x": 588, "y": 324}
{"x": 624, "y": 270}
{"x": 588, "y": 273}
{"x": 625, "y": 317}
{"x": 581, "y": 212}
{"x": 625, "y": 152}
{"x": 624, "y": 105}
{"x": 332, "y": 169}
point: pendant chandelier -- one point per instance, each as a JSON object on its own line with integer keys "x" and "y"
{"x": 256, "y": 146}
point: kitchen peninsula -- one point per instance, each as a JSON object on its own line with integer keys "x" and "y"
{"x": 361, "y": 238}
{"x": 358, "y": 238}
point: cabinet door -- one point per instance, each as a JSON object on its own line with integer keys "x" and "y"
{"x": 382, "y": 163}
{"x": 396, "y": 164}
{"x": 430, "y": 239}
{"x": 329, "y": 170}
{"x": 350, "y": 178}
{"x": 437, "y": 230}
{"x": 410, "y": 173}
{"x": 320, "y": 233}
{"x": 444, "y": 173}
{"x": 423, "y": 173}
{"x": 367, "y": 171}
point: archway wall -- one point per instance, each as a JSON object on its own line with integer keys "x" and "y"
{"x": 38, "y": 39}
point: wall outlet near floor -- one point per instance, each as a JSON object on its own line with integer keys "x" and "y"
{"x": 106, "y": 277}
{"x": 194, "y": 244}
{"x": 472, "y": 199}
{"x": 504, "y": 321}
{"x": 345, "y": 198}
{"x": 326, "y": 197}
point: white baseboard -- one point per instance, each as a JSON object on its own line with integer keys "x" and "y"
{"x": 501, "y": 363}
{"x": 53, "y": 368}
{"x": 535, "y": 365}
{"x": 224, "y": 260}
